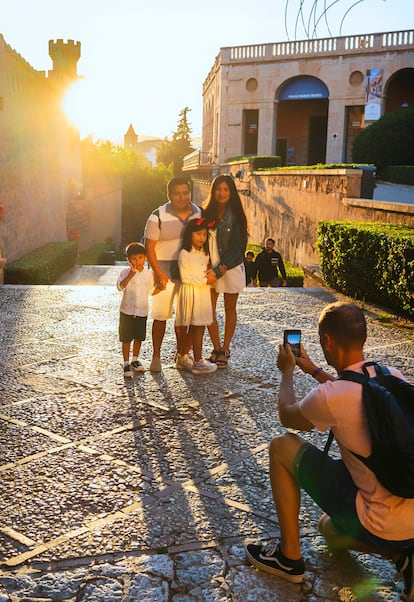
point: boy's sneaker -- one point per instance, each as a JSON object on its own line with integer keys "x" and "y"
{"x": 137, "y": 366}
{"x": 405, "y": 567}
{"x": 184, "y": 362}
{"x": 269, "y": 558}
{"x": 127, "y": 371}
{"x": 203, "y": 367}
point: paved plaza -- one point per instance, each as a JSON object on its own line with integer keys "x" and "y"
{"x": 146, "y": 489}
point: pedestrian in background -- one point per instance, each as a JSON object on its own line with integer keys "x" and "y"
{"x": 268, "y": 264}
{"x": 163, "y": 235}
{"x": 227, "y": 244}
{"x": 135, "y": 282}
{"x": 250, "y": 269}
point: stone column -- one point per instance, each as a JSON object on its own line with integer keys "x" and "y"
{"x": 335, "y": 131}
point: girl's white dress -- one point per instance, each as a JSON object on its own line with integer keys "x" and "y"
{"x": 193, "y": 299}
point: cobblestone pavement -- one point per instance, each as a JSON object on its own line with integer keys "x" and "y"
{"x": 146, "y": 489}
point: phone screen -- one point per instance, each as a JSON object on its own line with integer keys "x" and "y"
{"x": 293, "y": 337}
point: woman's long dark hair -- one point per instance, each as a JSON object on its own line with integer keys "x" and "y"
{"x": 195, "y": 225}
{"x": 211, "y": 205}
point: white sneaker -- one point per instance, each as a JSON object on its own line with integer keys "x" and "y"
{"x": 184, "y": 362}
{"x": 203, "y": 367}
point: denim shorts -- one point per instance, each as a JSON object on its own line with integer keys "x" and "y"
{"x": 330, "y": 485}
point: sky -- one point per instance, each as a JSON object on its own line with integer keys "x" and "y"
{"x": 143, "y": 61}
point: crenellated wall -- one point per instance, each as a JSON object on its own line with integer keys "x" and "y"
{"x": 40, "y": 165}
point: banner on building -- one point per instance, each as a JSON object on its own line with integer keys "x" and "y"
{"x": 373, "y": 82}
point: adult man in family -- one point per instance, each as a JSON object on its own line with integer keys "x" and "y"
{"x": 268, "y": 264}
{"x": 359, "y": 513}
{"x": 163, "y": 235}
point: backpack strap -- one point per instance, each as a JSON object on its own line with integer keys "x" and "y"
{"x": 157, "y": 213}
{"x": 361, "y": 379}
{"x": 355, "y": 377}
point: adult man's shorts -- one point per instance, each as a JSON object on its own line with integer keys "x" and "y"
{"x": 162, "y": 303}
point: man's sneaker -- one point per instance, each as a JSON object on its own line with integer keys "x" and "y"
{"x": 184, "y": 362}
{"x": 269, "y": 558}
{"x": 155, "y": 365}
{"x": 405, "y": 567}
{"x": 203, "y": 367}
{"x": 127, "y": 371}
{"x": 137, "y": 366}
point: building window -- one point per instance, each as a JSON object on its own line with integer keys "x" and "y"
{"x": 250, "y": 131}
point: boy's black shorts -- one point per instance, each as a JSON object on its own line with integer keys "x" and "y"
{"x": 132, "y": 327}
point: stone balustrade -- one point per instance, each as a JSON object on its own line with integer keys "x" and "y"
{"x": 354, "y": 44}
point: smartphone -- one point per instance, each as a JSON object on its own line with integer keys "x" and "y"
{"x": 293, "y": 337}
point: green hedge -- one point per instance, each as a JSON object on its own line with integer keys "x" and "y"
{"x": 399, "y": 174}
{"x": 294, "y": 274}
{"x": 373, "y": 262}
{"x": 388, "y": 141}
{"x": 42, "y": 266}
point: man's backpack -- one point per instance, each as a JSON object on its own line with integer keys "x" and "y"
{"x": 389, "y": 405}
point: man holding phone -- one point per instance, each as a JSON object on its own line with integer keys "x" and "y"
{"x": 360, "y": 514}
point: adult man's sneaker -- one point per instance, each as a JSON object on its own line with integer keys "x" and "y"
{"x": 405, "y": 567}
{"x": 184, "y": 362}
{"x": 137, "y": 366}
{"x": 203, "y": 367}
{"x": 269, "y": 558}
{"x": 155, "y": 365}
{"x": 127, "y": 371}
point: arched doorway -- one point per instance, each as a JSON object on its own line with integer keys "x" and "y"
{"x": 301, "y": 124}
{"x": 399, "y": 90}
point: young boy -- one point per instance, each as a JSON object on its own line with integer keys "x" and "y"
{"x": 136, "y": 283}
{"x": 250, "y": 268}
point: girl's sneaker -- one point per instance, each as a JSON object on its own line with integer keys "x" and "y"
{"x": 203, "y": 367}
{"x": 184, "y": 362}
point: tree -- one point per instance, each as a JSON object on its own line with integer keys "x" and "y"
{"x": 103, "y": 156}
{"x": 388, "y": 141}
{"x": 143, "y": 186}
{"x": 172, "y": 152}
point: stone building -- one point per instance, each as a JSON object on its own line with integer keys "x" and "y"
{"x": 305, "y": 100}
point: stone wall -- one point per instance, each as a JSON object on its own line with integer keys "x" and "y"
{"x": 40, "y": 167}
{"x": 288, "y": 206}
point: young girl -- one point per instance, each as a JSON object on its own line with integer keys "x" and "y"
{"x": 194, "y": 309}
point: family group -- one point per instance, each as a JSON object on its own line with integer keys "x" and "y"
{"x": 194, "y": 254}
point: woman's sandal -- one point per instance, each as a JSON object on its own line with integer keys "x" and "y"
{"x": 214, "y": 355}
{"x": 223, "y": 363}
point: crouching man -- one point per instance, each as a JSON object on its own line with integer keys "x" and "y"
{"x": 359, "y": 513}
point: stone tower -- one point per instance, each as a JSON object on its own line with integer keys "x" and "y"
{"x": 131, "y": 139}
{"x": 65, "y": 56}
